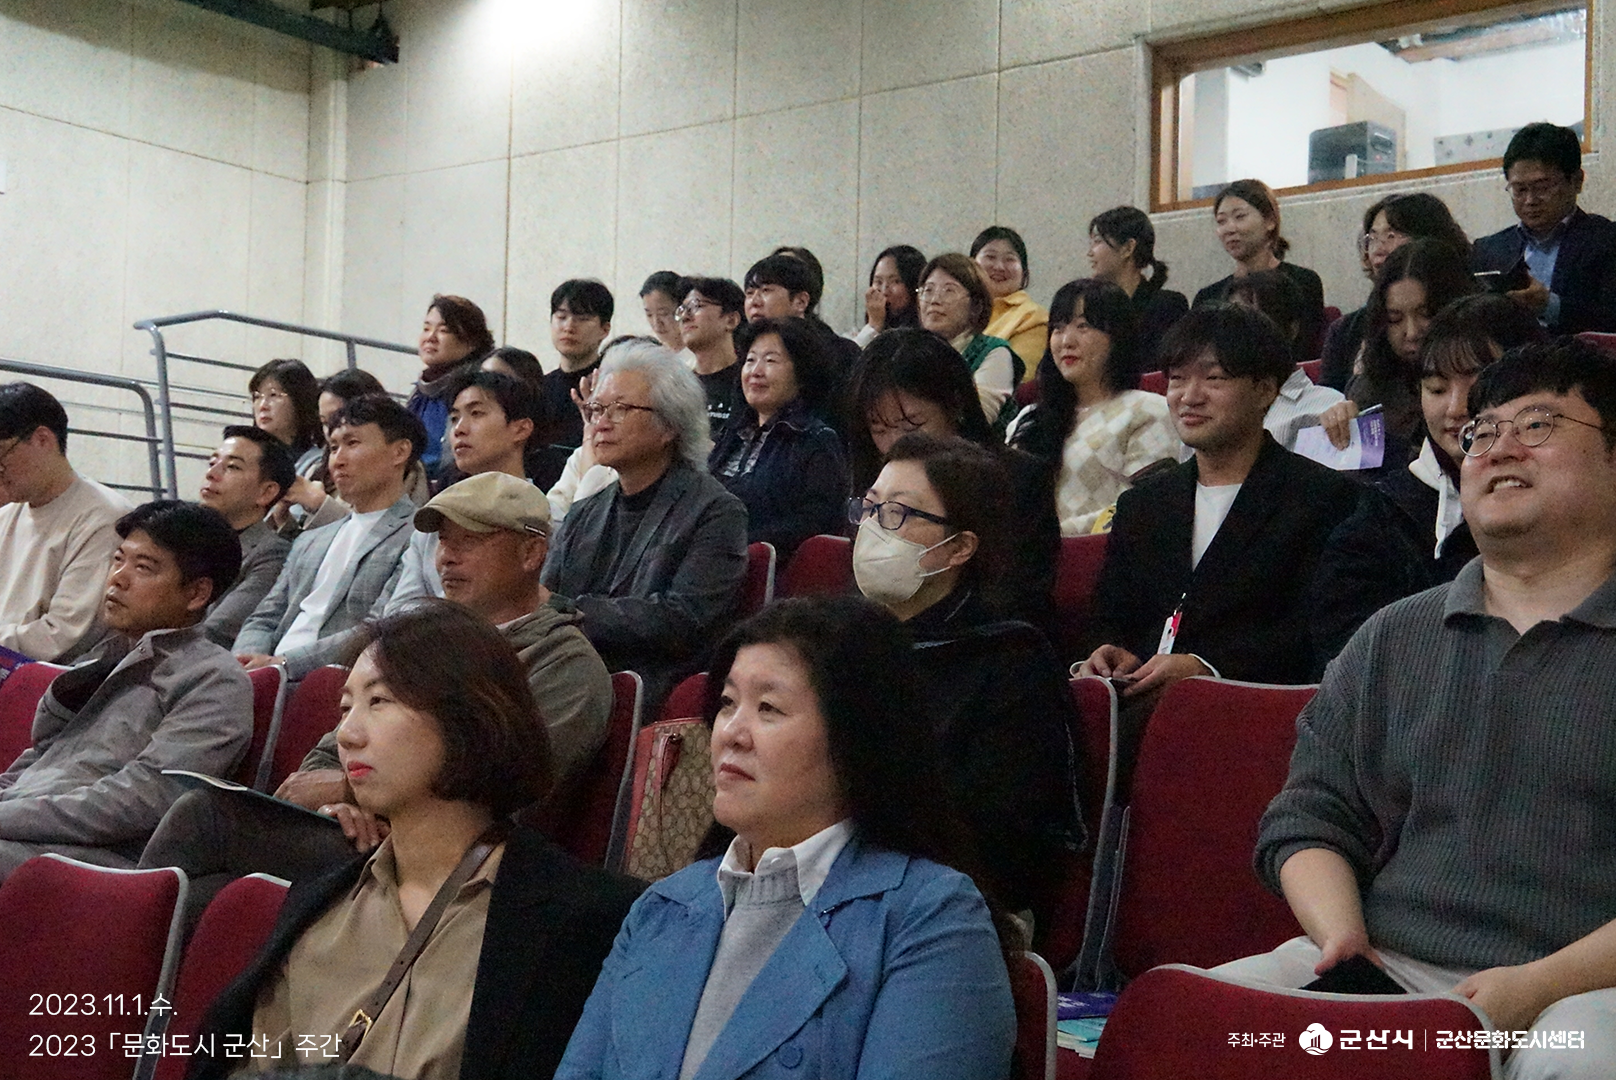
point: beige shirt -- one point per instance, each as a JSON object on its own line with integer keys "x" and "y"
{"x": 342, "y": 958}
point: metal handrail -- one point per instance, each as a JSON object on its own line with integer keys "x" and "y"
{"x": 116, "y": 382}
{"x": 166, "y": 404}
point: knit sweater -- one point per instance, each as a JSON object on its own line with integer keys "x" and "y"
{"x": 1468, "y": 775}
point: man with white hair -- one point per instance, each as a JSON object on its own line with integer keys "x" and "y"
{"x": 655, "y": 561}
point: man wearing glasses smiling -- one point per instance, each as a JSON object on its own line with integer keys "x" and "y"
{"x": 56, "y": 531}
{"x": 1450, "y": 813}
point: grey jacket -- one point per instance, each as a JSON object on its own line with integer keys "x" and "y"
{"x": 263, "y": 553}
{"x": 109, "y": 726}
{"x": 363, "y": 591}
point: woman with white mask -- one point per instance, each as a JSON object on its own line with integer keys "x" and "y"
{"x": 930, "y": 545}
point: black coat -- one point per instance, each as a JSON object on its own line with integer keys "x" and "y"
{"x": 1246, "y": 605}
{"x": 1310, "y": 335}
{"x": 796, "y": 487}
{"x": 1158, "y": 310}
{"x": 551, "y": 922}
{"x": 1584, "y": 270}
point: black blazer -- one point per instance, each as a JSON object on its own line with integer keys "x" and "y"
{"x": 1584, "y": 270}
{"x": 1246, "y": 604}
{"x": 551, "y": 922}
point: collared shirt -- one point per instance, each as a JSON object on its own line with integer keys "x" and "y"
{"x": 812, "y": 860}
{"x": 343, "y": 957}
{"x": 1540, "y": 256}
{"x": 1449, "y": 514}
{"x": 1298, "y": 406}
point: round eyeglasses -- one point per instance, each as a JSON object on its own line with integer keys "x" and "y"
{"x": 1532, "y": 425}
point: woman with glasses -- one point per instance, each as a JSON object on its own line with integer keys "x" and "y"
{"x": 1122, "y": 246}
{"x": 1001, "y": 254}
{"x": 286, "y": 404}
{"x": 931, "y": 548}
{"x": 776, "y": 455}
{"x": 1092, "y": 423}
{"x": 1408, "y": 533}
{"x": 955, "y": 305}
{"x": 1387, "y": 225}
{"x": 891, "y": 301}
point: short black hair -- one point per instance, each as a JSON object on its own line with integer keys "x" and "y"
{"x": 816, "y": 270}
{"x": 395, "y": 420}
{"x": 973, "y": 484}
{"x": 663, "y": 281}
{"x": 787, "y": 271}
{"x": 1562, "y": 366}
{"x": 816, "y": 373}
{"x": 1273, "y": 293}
{"x": 730, "y": 297}
{"x": 1245, "y": 343}
{"x": 275, "y": 462}
{"x": 200, "y": 539}
{"x": 351, "y": 383}
{"x": 584, "y": 296}
{"x": 1009, "y": 236}
{"x": 523, "y": 363}
{"x": 25, "y": 408}
{"x": 513, "y": 396}
{"x": 1555, "y": 146}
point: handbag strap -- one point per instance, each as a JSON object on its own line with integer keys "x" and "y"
{"x": 366, "y": 1014}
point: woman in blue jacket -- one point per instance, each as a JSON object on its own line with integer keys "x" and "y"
{"x": 830, "y": 940}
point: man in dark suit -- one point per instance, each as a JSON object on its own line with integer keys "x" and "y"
{"x": 1208, "y": 564}
{"x": 1570, "y": 253}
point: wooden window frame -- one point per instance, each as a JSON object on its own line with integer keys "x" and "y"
{"x": 1172, "y": 61}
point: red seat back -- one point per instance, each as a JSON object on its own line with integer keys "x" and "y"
{"x": 1603, "y": 342}
{"x": 821, "y": 566}
{"x": 1214, "y": 754}
{"x": 1032, "y": 985}
{"x": 758, "y": 589}
{"x": 1027, "y": 392}
{"x": 687, "y": 698}
{"x": 71, "y": 933}
{"x": 19, "y": 701}
{"x": 1153, "y": 382}
{"x": 269, "y": 696}
{"x": 231, "y": 931}
{"x": 1313, "y": 369}
{"x": 590, "y": 818}
{"x": 1076, "y": 575}
{"x": 313, "y": 709}
{"x": 1176, "y": 1021}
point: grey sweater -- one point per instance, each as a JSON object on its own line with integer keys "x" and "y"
{"x": 1468, "y": 775}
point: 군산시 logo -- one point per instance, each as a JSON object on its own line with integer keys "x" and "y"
{"x": 1316, "y": 1039}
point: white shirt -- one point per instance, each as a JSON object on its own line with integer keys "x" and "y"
{"x": 1298, "y": 406}
{"x": 813, "y": 859}
{"x": 305, "y": 629}
{"x": 1211, "y": 507}
{"x": 1449, "y": 514}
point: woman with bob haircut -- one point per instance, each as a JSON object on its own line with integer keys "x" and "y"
{"x": 931, "y": 548}
{"x": 441, "y": 740}
{"x": 892, "y": 299}
{"x": 1248, "y": 227}
{"x": 1001, "y": 254}
{"x": 454, "y": 334}
{"x": 286, "y": 404}
{"x": 1092, "y": 423}
{"x": 776, "y": 455}
{"x": 955, "y": 305}
{"x": 1122, "y": 246}
{"x": 832, "y": 937}
{"x": 908, "y": 381}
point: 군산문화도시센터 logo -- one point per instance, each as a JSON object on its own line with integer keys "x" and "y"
{"x": 1316, "y": 1039}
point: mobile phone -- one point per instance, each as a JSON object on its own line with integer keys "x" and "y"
{"x": 1514, "y": 279}
{"x": 1355, "y": 975}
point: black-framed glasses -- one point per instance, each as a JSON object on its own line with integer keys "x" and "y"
{"x": 1533, "y": 425}
{"x": 888, "y": 515}
{"x": 616, "y": 412}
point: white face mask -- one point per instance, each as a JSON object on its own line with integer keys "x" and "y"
{"x": 886, "y": 566}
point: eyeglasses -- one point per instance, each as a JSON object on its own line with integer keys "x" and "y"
{"x": 616, "y": 412}
{"x": 267, "y": 395}
{"x": 1537, "y": 189}
{"x": 687, "y": 310}
{"x": 1379, "y": 241}
{"x": 888, "y": 515}
{"x": 946, "y": 291}
{"x": 1533, "y": 425}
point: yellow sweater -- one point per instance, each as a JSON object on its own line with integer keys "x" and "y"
{"x": 1024, "y": 324}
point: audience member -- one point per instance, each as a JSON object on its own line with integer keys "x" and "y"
{"x": 712, "y": 310}
{"x": 338, "y": 575}
{"x": 1122, "y": 246}
{"x": 891, "y": 300}
{"x": 1300, "y": 403}
{"x": 337, "y": 390}
{"x": 525, "y": 368}
{"x": 454, "y": 334}
{"x": 930, "y": 549}
{"x": 440, "y": 736}
{"x": 490, "y": 422}
{"x": 660, "y": 296}
{"x": 1388, "y": 224}
{"x": 56, "y": 532}
{"x": 1001, "y": 255}
{"x": 1247, "y": 217}
{"x": 286, "y": 403}
{"x": 788, "y": 284}
{"x": 1569, "y": 253}
{"x": 580, "y": 319}
{"x": 246, "y": 476}
{"x": 955, "y": 305}
{"x": 1092, "y": 424}
{"x": 1408, "y": 533}
{"x": 1446, "y": 818}
{"x": 1208, "y": 565}
{"x": 784, "y": 463}
{"x": 832, "y": 935}
{"x": 910, "y": 380}
{"x": 655, "y": 561}
{"x": 155, "y": 695}
{"x": 1415, "y": 282}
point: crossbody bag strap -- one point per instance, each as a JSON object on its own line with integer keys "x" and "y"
{"x": 366, "y": 1014}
